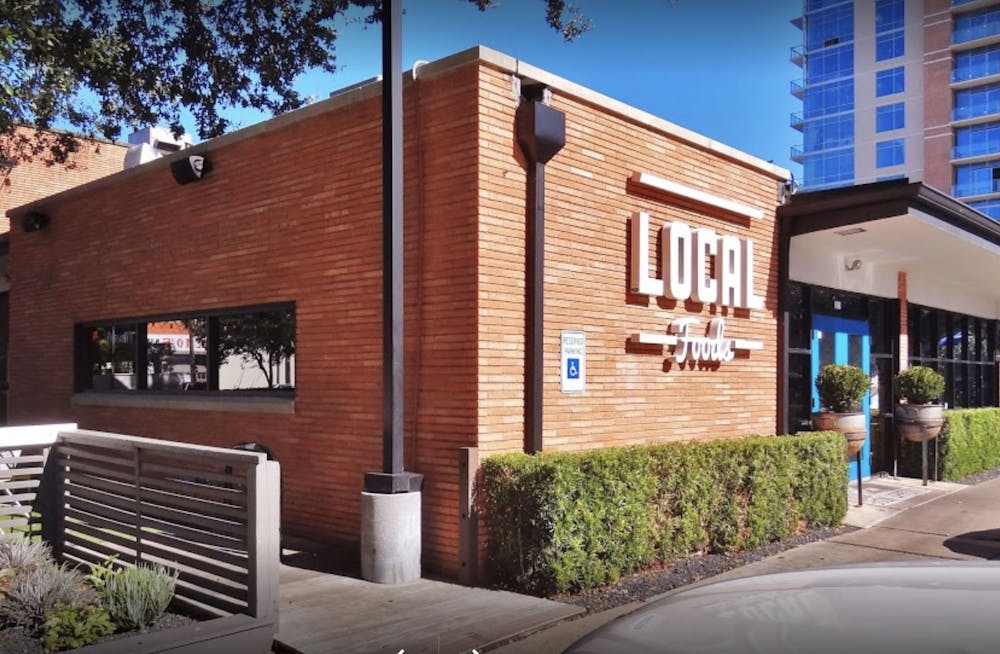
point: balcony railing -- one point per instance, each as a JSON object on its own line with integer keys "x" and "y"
{"x": 978, "y": 148}
{"x": 796, "y": 154}
{"x": 798, "y": 88}
{"x": 796, "y": 122}
{"x": 978, "y": 110}
{"x": 966, "y": 73}
{"x": 970, "y": 189}
{"x": 797, "y": 56}
{"x": 973, "y": 32}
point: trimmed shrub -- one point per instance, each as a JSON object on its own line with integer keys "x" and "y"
{"x": 919, "y": 385}
{"x": 567, "y": 521}
{"x": 969, "y": 443}
{"x": 842, "y": 387}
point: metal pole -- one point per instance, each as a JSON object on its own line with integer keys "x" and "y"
{"x": 935, "y": 459}
{"x": 858, "y": 459}
{"x": 535, "y": 309}
{"x": 923, "y": 446}
{"x": 392, "y": 238}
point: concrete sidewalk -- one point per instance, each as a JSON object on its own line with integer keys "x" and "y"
{"x": 325, "y": 608}
{"x": 900, "y": 520}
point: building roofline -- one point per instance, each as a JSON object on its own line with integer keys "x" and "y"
{"x": 852, "y": 205}
{"x": 359, "y": 92}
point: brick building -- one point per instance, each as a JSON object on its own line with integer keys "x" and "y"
{"x": 663, "y": 276}
{"x": 29, "y": 180}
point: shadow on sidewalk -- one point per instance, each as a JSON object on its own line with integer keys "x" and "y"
{"x": 320, "y": 557}
{"x": 984, "y": 544}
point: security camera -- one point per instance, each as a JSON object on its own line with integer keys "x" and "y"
{"x": 190, "y": 168}
{"x": 35, "y": 221}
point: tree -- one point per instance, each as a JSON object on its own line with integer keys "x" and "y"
{"x": 95, "y": 65}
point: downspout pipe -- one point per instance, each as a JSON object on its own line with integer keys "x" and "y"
{"x": 541, "y": 134}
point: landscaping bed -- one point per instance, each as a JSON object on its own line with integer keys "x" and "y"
{"x": 47, "y": 606}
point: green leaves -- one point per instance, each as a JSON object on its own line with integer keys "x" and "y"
{"x": 920, "y": 384}
{"x": 568, "y": 521}
{"x": 967, "y": 444}
{"x": 842, "y": 387}
{"x": 97, "y": 67}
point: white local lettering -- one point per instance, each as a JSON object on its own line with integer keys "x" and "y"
{"x": 685, "y": 254}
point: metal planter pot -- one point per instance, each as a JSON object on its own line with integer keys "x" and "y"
{"x": 854, "y": 427}
{"x": 919, "y": 422}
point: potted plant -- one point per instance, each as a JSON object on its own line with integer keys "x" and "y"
{"x": 919, "y": 415}
{"x": 841, "y": 389}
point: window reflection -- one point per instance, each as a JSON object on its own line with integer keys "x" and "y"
{"x": 230, "y": 351}
{"x": 112, "y": 357}
{"x": 177, "y": 357}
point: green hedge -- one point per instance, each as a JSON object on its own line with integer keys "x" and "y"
{"x": 568, "y": 521}
{"x": 969, "y": 442}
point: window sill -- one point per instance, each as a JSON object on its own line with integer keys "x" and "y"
{"x": 254, "y": 404}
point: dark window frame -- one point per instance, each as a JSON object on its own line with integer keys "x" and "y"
{"x": 83, "y": 360}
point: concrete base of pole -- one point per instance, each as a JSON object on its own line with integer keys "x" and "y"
{"x": 390, "y": 537}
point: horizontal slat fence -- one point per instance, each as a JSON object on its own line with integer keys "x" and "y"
{"x": 212, "y": 514}
{"x": 23, "y": 453}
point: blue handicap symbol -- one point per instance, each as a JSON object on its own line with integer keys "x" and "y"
{"x": 572, "y": 368}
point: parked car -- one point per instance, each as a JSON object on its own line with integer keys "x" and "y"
{"x": 912, "y": 608}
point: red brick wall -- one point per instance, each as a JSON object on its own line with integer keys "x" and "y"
{"x": 31, "y": 180}
{"x": 938, "y": 138}
{"x": 293, "y": 214}
{"x": 630, "y": 395}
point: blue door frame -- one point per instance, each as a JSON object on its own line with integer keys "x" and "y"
{"x": 843, "y": 341}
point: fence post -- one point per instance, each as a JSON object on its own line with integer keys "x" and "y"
{"x": 468, "y": 524}
{"x": 264, "y": 502}
{"x": 50, "y": 509}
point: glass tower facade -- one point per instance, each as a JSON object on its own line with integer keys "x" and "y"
{"x": 872, "y": 107}
{"x": 827, "y": 93}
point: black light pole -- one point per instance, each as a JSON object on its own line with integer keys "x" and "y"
{"x": 392, "y": 479}
{"x": 541, "y": 133}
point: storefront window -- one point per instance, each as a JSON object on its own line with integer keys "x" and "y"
{"x": 110, "y": 354}
{"x": 236, "y": 350}
{"x": 961, "y": 348}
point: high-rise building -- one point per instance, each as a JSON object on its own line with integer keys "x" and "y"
{"x": 901, "y": 88}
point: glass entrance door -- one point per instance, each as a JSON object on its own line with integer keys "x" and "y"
{"x": 842, "y": 341}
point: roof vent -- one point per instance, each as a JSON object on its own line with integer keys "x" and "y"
{"x": 152, "y": 143}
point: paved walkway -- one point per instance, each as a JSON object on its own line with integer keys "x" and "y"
{"x": 325, "y": 608}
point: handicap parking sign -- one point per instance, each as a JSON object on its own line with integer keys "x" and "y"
{"x": 573, "y": 361}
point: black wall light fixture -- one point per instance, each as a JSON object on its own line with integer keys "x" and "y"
{"x": 190, "y": 168}
{"x": 35, "y": 221}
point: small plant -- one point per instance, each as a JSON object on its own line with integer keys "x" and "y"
{"x": 34, "y": 592}
{"x": 69, "y": 627}
{"x": 920, "y": 385}
{"x": 101, "y": 572}
{"x": 841, "y": 388}
{"x": 136, "y": 597}
{"x": 19, "y": 552}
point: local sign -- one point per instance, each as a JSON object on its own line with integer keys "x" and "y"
{"x": 705, "y": 267}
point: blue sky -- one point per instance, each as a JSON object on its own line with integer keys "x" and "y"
{"x": 718, "y": 67}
